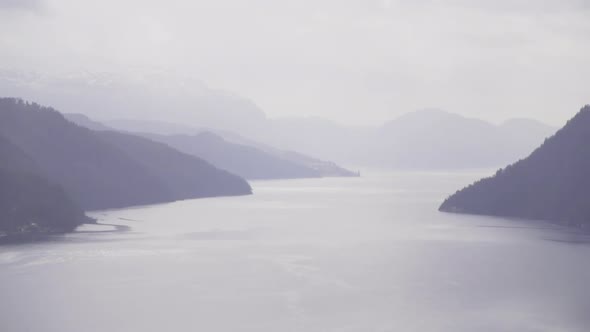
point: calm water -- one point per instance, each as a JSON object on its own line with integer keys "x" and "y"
{"x": 368, "y": 254}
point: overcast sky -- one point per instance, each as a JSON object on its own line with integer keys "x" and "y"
{"x": 354, "y": 61}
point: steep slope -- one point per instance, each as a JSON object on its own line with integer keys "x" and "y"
{"x": 176, "y": 168}
{"x": 184, "y": 175}
{"x": 94, "y": 172}
{"x": 84, "y": 121}
{"x": 252, "y": 160}
{"x": 245, "y": 161}
{"x": 552, "y": 184}
{"x": 29, "y": 204}
{"x": 15, "y": 159}
{"x": 323, "y": 167}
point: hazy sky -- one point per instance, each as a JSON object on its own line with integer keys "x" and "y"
{"x": 356, "y": 61}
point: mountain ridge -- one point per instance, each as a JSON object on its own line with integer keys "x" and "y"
{"x": 96, "y": 173}
{"x": 226, "y": 150}
{"x": 551, "y": 184}
{"x": 189, "y": 101}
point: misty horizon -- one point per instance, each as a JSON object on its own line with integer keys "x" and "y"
{"x": 387, "y": 57}
{"x": 85, "y": 79}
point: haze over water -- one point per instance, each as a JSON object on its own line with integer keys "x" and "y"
{"x": 336, "y": 254}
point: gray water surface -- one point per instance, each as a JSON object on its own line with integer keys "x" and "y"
{"x": 343, "y": 254}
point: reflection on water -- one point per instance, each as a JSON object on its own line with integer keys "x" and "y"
{"x": 360, "y": 254}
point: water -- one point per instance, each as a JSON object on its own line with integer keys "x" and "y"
{"x": 367, "y": 254}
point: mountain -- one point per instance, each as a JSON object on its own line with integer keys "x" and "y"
{"x": 245, "y": 161}
{"x": 427, "y": 139}
{"x": 316, "y": 137}
{"x": 226, "y": 150}
{"x": 159, "y": 96}
{"x": 552, "y": 184}
{"x": 434, "y": 139}
{"x": 163, "y": 161}
{"x": 84, "y": 121}
{"x": 98, "y": 173}
{"x": 251, "y": 162}
{"x": 324, "y": 168}
{"x": 29, "y": 204}
{"x": 15, "y": 159}
{"x": 151, "y": 95}
{"x": 183, "y": 175}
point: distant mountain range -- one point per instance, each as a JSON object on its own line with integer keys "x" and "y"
{"x": 193, "y": 141}
{"x": 101, "y": 170}
{"x": 225, "y": 150}
{"x": 436, "y": 139}
{"x": 421, "y": 140}
{"x": 245, "y": 161}
{"x": 170, "y": 104}
{"x": 552, "y": 184}
{"x": 146, "y": 94}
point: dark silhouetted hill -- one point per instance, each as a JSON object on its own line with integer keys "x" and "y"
{"x": 94, "y": 171}
{"x": 184, "y": 175}
{"x": 552, "y": 184}
{"x": 15, "y": 159}
{"x": 29, "y": 204}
